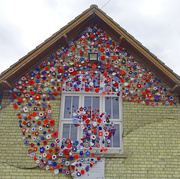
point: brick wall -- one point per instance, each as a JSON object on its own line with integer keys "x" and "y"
{"x": 151, "y": 143}
{"x": 151, "y": 132}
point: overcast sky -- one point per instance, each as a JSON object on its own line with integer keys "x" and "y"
{"x": 24, "y": 24}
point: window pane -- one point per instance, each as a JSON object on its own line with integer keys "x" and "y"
{"x": 115, "y": 101}
{"x": 108, "y": 105}
{"x": 73, "y": 136}
{"x": 71, "y": 105}
{"x": 87, "y": 102}
{"x": 66, "y": 128}
{"x": 95, "y": 103}
{"x": 116, "y": 139}
{"x": 91, "y": 141}
{"x": 67, "y": 108}
{"x": 75, "y": 104}
{"x": 107, "y": 144}
{"x": 69, "y": 132}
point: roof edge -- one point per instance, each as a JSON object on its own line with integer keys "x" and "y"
{"x": 122, "y": 34}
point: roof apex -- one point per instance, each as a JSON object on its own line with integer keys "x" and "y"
{"x": 93, "y": 5}
{"x": 65, "y": 34}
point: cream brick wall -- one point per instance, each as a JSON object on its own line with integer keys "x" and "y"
{"x": 151, "y": 143}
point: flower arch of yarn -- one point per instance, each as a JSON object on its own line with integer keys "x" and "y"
{"x": 33, "y": 93}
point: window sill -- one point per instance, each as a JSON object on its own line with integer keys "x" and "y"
{"x": 106, "y": 155}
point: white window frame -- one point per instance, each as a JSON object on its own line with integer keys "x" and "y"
{"x": 102, "y": 109}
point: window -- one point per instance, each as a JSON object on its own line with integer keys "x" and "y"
{"x": 81, "y": 92}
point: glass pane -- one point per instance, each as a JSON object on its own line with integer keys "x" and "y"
{"x": 73, "y": 136}
{"x": 94, "y": 141}
{"x": 66, "y": 128}
{"x": 115, "y": 101}
{"x": 95, "y": 103}
{"x": 87, "y": 102}
{"x": 116, "y": 137}
{"x": 67, "y": 108}
{"x": 75, "y": 103}
{"x": 107, "y": 144}
{"x": 108, "y": 105}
